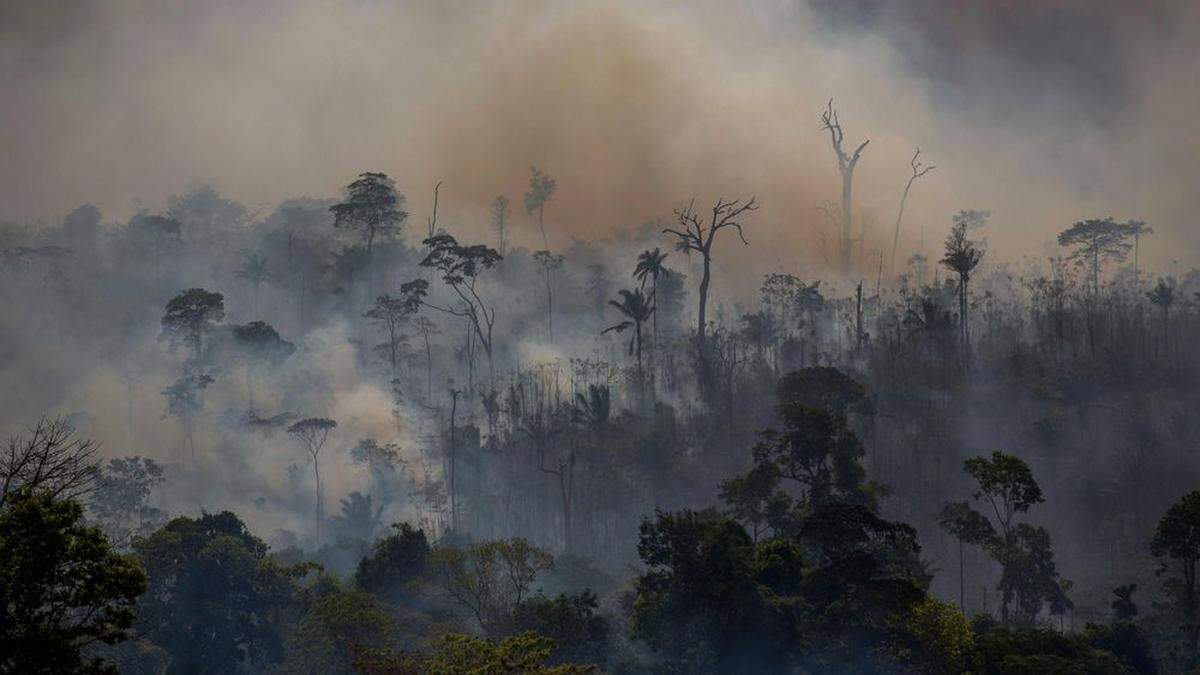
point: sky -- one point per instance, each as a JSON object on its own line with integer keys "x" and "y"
{"x": 1043, "y": 113}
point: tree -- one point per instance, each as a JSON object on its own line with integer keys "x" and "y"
{"x": 968, "y": 526}
{"x": 500, "y": 212}
{"x": 254, "y": 271}
{"x": 51, "y": 459}
{"x": 541, "y": 189}
{"x": 313, "y": 432}
{"x": 846, "y": 164}
{"x": 1029, "y": 576}
{"x": 120, "y": 501}
{"x": 1177, "y": 541}
{"x": 816, "y": 450}
{"x": 579, "y": 632}
{"x": 637, "y": 309}
{"x": 1137, "y": 229}
{"x": 1162, "y": 296}
{"x": 389, "y": 314}
{"x": 190, "y": 317}
{"x": 457, "y": 654}
{"x": 373, "y": 206}
{"x": 334, "y": 629}
{"x": 548, "y": 263}
{"x": 490, "y": 579}
{"x": 62, "y": 587}
{"x": 696, "y": 235}
{"x": 962, "y": 256}
{"x": 460, "y": 267}
{"x": 184, "y": 403}
{"x": 918, "y": 169}
{"x": 396, "y": 564}
{"x": 260, "y": 347}
{"x": 1096, "y": 242}
{"x": 650, "y": 266}
{"x": 215, "y": 598}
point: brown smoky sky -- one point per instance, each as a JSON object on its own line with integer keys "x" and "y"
{"x": 1044, "y": 113}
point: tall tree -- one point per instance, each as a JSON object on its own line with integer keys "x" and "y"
{"x": 190, "y": 317}
{"x": 373, "y": 206}
{"x": 918, "y": 169}
{"x": 312, "y": 433}
{"x": 460, "y": 267}
{"x": 254, "y": 271}
{"x": 962, "y": 255}
{"x": 694, "y": 234}
{"x": 500, "y": 212}
{"x": 846, "y": 165}
{"x": 650, "y": 266}
{"x": 548, "y": 263}
{"x": 389, "y": 314}
{"x": 1095, "y": 242}
{"x": 967, "y": 526}
{"x": 1137, "y": 230}
{"x": 637, "y": 308}
{"x": 541, "y": 189}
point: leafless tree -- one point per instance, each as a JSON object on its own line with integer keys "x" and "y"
{"x": 846, "y": 165}
{"x": 697, "y": 235}
{"x": 918, "y": 169}
{"x": 49, "y": 458}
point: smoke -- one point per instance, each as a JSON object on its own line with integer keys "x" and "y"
{"x": 634, "y": 108}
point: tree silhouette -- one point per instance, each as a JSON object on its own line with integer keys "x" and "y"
{"x": 312, "y": 433}
{"x": 460, "y": 267}
{"x": 650, "y": 266}
{"x": 637, "y": 308}
{"x": 548, "y": 263}
{"x": 962, "y": 256}
{"x": 1096, "y": 242}
{"x": 500, "y": 212}
{"x": 254, "y": 271}
{"x": 846, "y": 164}
{"x": 189, "y": 318}
{"x": 918, "y": 169}
{"x": 696, "y": 235}
{"x": 389, "y": 314}
{"x": 541, "y": 189}
{"x": 373, "y": 206}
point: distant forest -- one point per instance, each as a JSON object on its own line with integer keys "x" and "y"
{"x": 337, "y": 436}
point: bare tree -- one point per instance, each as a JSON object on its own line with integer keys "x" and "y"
{"x": 918, "y": 170}
{"x": 50, "y": 458}
{"x": 846, "y": 165}
{"x": 313, "y": 432}
{"x": 696, "y": 235}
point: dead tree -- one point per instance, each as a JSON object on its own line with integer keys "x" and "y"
{"x": 846, "y": 164}
{"x": 918, "y": 170}
{"x": 696, "y": 235}
{"x": 49, "y": 459}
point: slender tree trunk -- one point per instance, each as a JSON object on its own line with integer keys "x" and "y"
{"x": 702, "y": 320}
{"x": 320, "y": 505}
{"x": 452, "y": 463}
{"x": 847, "y": 233}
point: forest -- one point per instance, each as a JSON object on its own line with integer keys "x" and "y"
{"x": 397, "y": 428}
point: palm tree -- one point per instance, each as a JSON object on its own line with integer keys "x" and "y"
{"x": 962, "y": 257}
{"x": 650, "y": 264}
{"x": 1162, "y": 296}
{"x": 253, "y": 270}
{"x": 637, "y": 308}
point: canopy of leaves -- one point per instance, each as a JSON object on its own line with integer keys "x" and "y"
{"x": 62, "y": 587}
